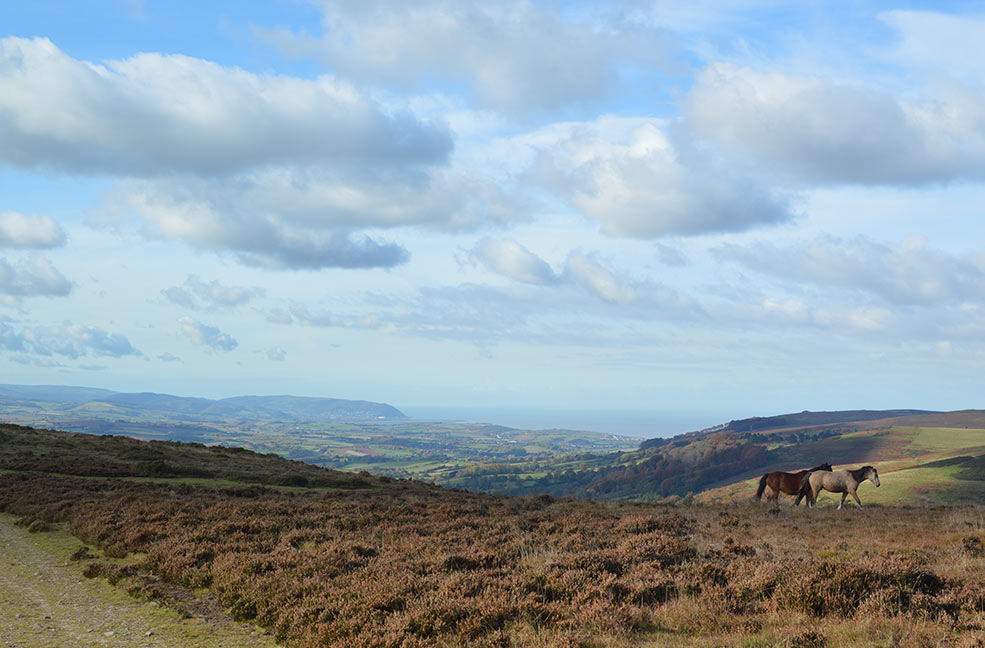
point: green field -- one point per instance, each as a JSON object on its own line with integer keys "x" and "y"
{"x": 434, "y": 451}
{"x": 917, "y": 466}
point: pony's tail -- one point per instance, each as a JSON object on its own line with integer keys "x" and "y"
{"x": 762, "y": 487}
{"x": 805, "y": 491}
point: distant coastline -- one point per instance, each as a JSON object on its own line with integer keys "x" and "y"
{"x": 631, "y": 423}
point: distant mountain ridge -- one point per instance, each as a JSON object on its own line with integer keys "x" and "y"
{"x": 800, "y": 419}
{"x": 82, "y": 399}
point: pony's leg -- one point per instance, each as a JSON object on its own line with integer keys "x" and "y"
{"x": 842, "y": 502}
{"x": 814, "y": 491}
{"x": 774, "y": 496}
{"x": 857, "y": 500}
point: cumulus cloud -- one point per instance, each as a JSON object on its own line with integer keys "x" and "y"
{"x": 194, "y": 293}
{"x": 512, "y": 260}
{"x": 69, "y": 340}
{"x": 153, "y": 113}
{"x": 908, "y": 273}
{"x": 20, "y": 231}
{"x": 168, "y": 357}
{"x": 207, "y": 336}
{"x": 33, "y": 277}
{"x": 308, "y": 218}
{"x": 284, "y": 173}
{"x": 815, "y": 129}
{"x": 516, "y": 55}
{"x": 629, "y": 176}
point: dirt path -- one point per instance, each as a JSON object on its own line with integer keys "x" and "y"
{"x": 46, "y": 603}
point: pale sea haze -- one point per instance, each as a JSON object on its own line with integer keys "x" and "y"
{"x": 632, "y": 423}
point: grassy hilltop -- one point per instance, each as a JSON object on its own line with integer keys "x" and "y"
{"x": 385, "y": 562}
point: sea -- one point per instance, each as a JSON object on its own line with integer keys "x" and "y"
{"x": 631, "y": 423}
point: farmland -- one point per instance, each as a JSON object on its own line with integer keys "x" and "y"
{"x": 350, "y": 435}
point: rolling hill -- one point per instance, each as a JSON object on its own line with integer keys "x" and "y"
{"x": 54, "y": 401}
{"x": 924, "y": 458}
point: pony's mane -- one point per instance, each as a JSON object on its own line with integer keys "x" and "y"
{"x": 859, "y": 473}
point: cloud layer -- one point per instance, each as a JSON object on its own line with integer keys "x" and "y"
{"x": 515, "y": 56}
{"x": 630, "y": 177}
{"x": 814, "y": 129}
{"x": 196, "y": 293}
{"x": 34, "y": 277}
{"x": 908, "y": 273}
{"x": 69, "y": 340}
{"x": 152, "y": 114}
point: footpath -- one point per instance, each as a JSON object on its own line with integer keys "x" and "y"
{"x": 45, "y": 602}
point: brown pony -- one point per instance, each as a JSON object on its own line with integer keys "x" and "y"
{"x": 787, "y": 482}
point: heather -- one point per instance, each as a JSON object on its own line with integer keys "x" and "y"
{"x": 408, "y": 565}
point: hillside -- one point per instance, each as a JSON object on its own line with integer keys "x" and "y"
{"x": 403, "y": 564}
{"x": 724, "y": 459}
{"x": 67, "y": 453}
{"x": 54, "y": 402}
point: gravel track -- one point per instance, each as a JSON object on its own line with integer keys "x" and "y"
{"x": 46, "y": 603}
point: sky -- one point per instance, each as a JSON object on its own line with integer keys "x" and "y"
{"x": 740, "y": 207}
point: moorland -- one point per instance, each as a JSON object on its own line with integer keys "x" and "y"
{"x": 329, "y": 561}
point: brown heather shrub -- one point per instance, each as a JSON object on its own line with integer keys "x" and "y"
{"x": 973, "y": 546}
{"x": 810, "y": 638}
{"x": 416, "y": 567}
{"x": 37, "y": 526}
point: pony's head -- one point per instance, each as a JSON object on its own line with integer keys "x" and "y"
{"x": 871, "y": 474}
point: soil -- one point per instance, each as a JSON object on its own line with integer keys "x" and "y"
{"x": 45, "y": 602}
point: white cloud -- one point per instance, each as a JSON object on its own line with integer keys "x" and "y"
{"x": 34, "y": 277}
{"x": 908, "y": 273}
{"x": 205, "y": 335}
{"x": 20, "y": 231}
{"x": 212, "y": 294}
{"x": 512, "y": 260}
{"x": 629, "y": 176}
{"x": 153, "y": 113}
{"x": 938, "y": 44}
{"x": 815, "y": 129}
{"x": 592, "y": 275}
{"x": 514, "y": 55}
{"x": 69, "y": 340}
{"x": 307, "y": 218}
{"x": 168, "y": 357}
{"x": 277, "y": 354}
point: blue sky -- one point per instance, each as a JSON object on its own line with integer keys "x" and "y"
{"x": 743, "y": 207}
